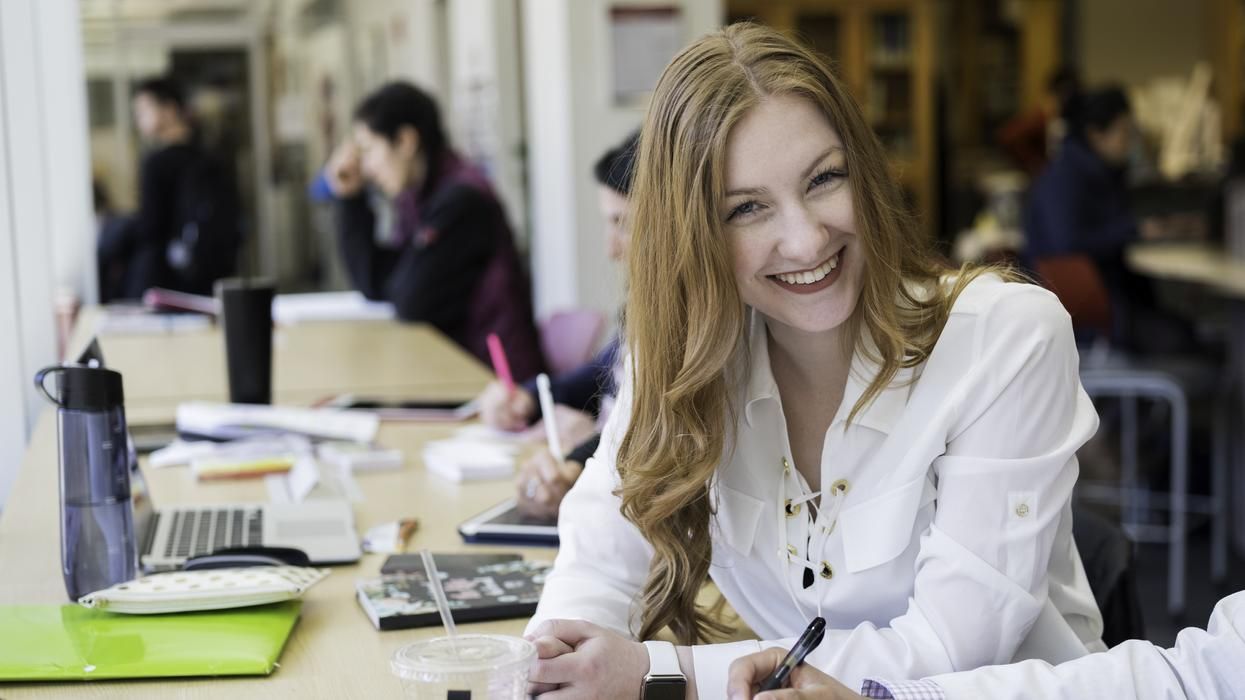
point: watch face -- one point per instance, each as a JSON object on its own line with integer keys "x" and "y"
{"x": 665, "y": 688}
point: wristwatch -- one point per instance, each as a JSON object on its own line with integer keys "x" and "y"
{"x": 665, "y": 680}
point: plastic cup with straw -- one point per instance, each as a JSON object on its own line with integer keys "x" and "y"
{"x": 469, "y": 665}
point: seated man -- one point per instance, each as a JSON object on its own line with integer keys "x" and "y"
{"x": 187, "y": 232}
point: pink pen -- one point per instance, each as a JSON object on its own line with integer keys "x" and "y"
{"x": 500, "y": 365}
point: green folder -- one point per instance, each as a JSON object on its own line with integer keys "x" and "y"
{"x": 51, "y": 642}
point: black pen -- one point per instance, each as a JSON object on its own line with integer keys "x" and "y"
{"x": 803, "y": 647}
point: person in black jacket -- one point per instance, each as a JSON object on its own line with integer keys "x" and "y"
{"x": 186, "y": 233}
{"x": 446, "y": 256}
{"x": 1080, "y": 206}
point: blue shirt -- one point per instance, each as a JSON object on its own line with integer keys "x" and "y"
{"x": 1079, "y": 204}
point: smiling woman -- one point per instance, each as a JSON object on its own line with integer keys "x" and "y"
{"x": 817, "y": 413}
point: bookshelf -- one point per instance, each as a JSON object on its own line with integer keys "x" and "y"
{"x": 884, "y": 51}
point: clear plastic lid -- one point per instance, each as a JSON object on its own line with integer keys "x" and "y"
{"x": 465, "y": 654}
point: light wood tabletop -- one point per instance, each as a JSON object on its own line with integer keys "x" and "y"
{"x": 311, "y": 361}
{"x": 334, "y": 652}
{"x": 1194, "y": 262}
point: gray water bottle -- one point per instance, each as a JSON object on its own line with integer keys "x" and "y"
{"x": 98, "y": 547}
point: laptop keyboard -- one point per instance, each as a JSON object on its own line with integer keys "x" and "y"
{"x": 196, "y": 532}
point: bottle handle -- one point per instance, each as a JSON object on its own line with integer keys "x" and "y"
{"x": 41, "y": 383}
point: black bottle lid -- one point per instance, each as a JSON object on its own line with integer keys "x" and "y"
{"x": 84, "y": 388}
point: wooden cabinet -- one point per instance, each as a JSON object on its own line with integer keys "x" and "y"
{"x": 884, "y": 51}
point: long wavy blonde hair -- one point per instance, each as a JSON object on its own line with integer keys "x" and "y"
{"x": 685, "y": 320}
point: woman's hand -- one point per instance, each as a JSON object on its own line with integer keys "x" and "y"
{"x": 546, "y": 648}
{"x": 573, "y": 426}
{"x": 342, "y": 171}
{"x": 543, "y": 483}
{"x": 602, "y": 664}
{"x": 805, "y": 682}
{"x": 506, "y": 409}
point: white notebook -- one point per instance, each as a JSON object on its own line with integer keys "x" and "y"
{"x": 230, "y": 421}
{"x": 461, "y": 460}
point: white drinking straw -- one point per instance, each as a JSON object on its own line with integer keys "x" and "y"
{"x": 438, "y": 593}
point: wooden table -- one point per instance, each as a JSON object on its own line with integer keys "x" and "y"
{"x": 1199, "y": 263}
{"x": 311, "y": 361}
{"x": 1211, "y": 267}
{"x": 334, "y": 651}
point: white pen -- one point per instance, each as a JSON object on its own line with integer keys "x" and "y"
{"x": 546, "y": 410}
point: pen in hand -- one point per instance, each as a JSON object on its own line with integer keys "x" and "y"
{"x": 500, "y": 365}
{"x": 807, "y": 642}
{"x": 545, "y": 394}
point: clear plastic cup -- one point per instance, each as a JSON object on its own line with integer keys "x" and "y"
{"x": 484, "y": 665}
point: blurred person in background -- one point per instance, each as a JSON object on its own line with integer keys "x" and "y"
{"x": 187, "y": 231}
{"x": 1031, "y": 138}
{"x": 1080, "y": 205}
{"x": 587, "y": 390}
{"x": 446, "y": 256}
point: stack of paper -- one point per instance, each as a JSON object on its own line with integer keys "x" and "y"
{"x": 286, "y": 308}
{"x": 462, "y": 460}
{"x": 229, "y": 421}
{"x": 329, "y": 306}
{"x": 133, "y": 320}
{"x": 246, "y": 457}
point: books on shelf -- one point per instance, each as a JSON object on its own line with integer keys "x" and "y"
{"x": 477, "y": 591}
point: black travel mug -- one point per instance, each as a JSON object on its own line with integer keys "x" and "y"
{"x": 246, "y": 323}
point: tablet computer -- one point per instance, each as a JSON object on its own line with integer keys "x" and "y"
{"x": 505, "y": 524}
{"x": 408, "y": 410}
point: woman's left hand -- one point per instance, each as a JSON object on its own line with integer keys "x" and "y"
{"x": 602, "y": 665}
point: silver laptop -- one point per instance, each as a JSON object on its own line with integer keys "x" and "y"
{"x": 169, "y": 536}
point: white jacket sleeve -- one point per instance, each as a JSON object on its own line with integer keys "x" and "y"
{"x": 1206, "y": 664}
{"x": 603, "y": 560}
{"x": 1004, "y": 486}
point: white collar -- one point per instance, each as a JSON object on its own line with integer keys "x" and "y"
{"x": 881, "y": 414}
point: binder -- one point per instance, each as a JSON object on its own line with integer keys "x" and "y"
{"x": 70, "y": 642}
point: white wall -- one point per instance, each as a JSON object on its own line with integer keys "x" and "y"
{"x": 399, "y": 39}
{"x": 484, "y": 111}
{"x": 46, "y": 230}
{"x": 571, "y": 121}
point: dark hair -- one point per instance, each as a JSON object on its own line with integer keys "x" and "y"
{"x": 164, "y": 90}
{"x": 1064, "y": 82}
{"x": 615, "y": 168}
{"x": 1096, "y": 110}
{"x": 398, "y": 104}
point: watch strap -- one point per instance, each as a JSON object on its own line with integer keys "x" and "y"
{"x": 663, "y": 660}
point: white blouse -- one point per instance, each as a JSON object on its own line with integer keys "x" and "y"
{"x": 1203, "y": 665}
{"x": 943, "y": 541}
